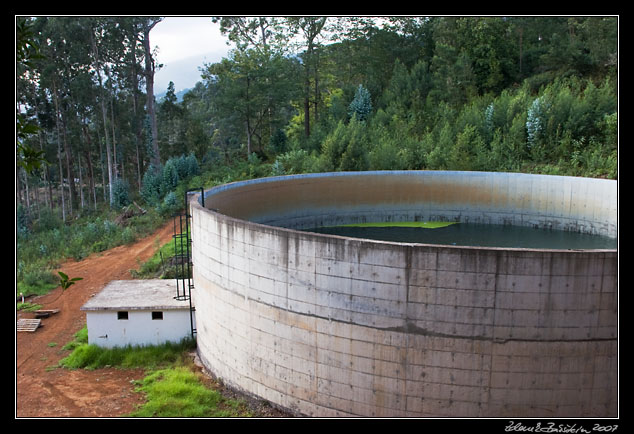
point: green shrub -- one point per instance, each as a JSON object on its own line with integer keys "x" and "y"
{"x": 128, "y": 235}
{"x": 76, "y": 248}
{"x": 171, "y": 204}
{"x": 277, "y": 168}
{"x": 36, "y": 280}
{"x": 293, "y": 161}
{"x": 49, "y": 219}
{"x": 178, "y": 169}
{"x": 278, "y": 143}
{"x": 153, "y": 187}
{"x": 22, "y": 221}
{"x": 120, "y": 194}
{"x": 159, "y": 181}
{"x": 170, "y": 174}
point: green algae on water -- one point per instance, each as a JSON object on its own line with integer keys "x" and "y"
{"x": 472, "y": 234}
{"x": 425, "y": 225}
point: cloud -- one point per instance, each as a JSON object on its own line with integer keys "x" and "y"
{"x": 180, "y": 38}
{"x": 184, "y": 45}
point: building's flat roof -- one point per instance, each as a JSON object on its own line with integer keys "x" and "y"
{"x": 155, "y": 294}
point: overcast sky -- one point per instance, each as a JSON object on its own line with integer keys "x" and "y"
{"x": 185, "y": 44}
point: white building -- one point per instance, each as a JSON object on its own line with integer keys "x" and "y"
{"x": 138, "y": 312}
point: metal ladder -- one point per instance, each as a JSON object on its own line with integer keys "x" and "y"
{"x": 182, "y": 256}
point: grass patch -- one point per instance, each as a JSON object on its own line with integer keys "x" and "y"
{"x": 172, "y": 388}
{"x": 425, "y": 225}
{"x": 36, "y": 281}
{"x": 90, "y": 356}
{"x": 28, "y": 307}
{"x": 81, "y": 338}
{"x": 161, "y": 264}
{"x": 180, "y": 392}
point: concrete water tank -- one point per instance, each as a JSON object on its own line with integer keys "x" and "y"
{"x": 323, "y": 325}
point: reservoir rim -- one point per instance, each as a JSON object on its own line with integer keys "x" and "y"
{"x": 297, "y": 232}
{"x": 308, "y": 176}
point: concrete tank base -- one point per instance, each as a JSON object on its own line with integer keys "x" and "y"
{"x": 331, "y": 326}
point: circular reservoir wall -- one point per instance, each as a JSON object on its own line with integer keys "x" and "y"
{"x": 332, "y": 326}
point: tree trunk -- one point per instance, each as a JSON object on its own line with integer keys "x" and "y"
{"x": 108, "y": 153}
{"x": 103, "y": 170}
{"x": 104, "y": 116}
{"x": 70, "y": 173}
{"x": 307, "y": 105}
{"x": 311, "y": 26}
{"x": 26, "y": 192}
{"x": 521, "y": 32}
{"x": 59, "y": 154}
{"x": 149, "y": 88}
{"x": 317, "y": 93}
{"x": 91, "y": 175}
{"x": 61, "y": 176}
{"x": 138, "y": 125}
{"x": 61, "y": 137}
{"x": 46, "y": 174}
{"x": 18, "y": 186}
{"x": 49, "y": 182}
{"x": 81, "y": 183}
{"x": 115, "y": 164}
{"x": 248, "y": 138}
{"x": 48, "y": 198}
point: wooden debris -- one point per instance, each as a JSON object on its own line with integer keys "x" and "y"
{"x": 129, "y": 212}
{"x": 28, "y": 325}
{"x": 45, "y": 313}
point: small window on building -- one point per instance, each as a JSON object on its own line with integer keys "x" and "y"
{"x": 122, "y": 315}
{"x": 157, "y": 315}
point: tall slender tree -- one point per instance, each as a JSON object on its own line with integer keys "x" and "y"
{"x": 150, "y": 68}
{"x": 96, "y": 31}
{"x": 310, "y": 28}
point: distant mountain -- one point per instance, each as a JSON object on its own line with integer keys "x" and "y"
{"x": 179, "y": 95}
{"x": 185, "y": 73}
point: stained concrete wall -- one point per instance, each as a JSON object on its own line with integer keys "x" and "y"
{"x": 331, "y": 326}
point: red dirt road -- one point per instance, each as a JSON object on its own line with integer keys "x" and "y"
{"x": 42, "y": 390}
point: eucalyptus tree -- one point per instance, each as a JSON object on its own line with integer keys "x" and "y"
{"x": 309, "y": 29}
{"x": 116, "y": 52}
{"x": 132, "y": 73}
{"x": 97, "y": 35}
{"x": 259, "y": 33}
{"x": 251, "y": 86}
{"x": 270, "y": 38}
{"x": 27, "y": 51}
{"x": 64, "y": 74}
{"x": 147, "y": 24}
{"x": 38, "y": 112}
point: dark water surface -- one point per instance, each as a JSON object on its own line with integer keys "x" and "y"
{"x": 484, "y": 235}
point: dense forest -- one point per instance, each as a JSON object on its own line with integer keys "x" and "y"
{"x": 296, "y": 95}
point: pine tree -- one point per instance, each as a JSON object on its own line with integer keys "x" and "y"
{"x": 361, "y": 105}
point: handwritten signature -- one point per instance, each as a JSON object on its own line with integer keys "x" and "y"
{"x": 552, "y": 427}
